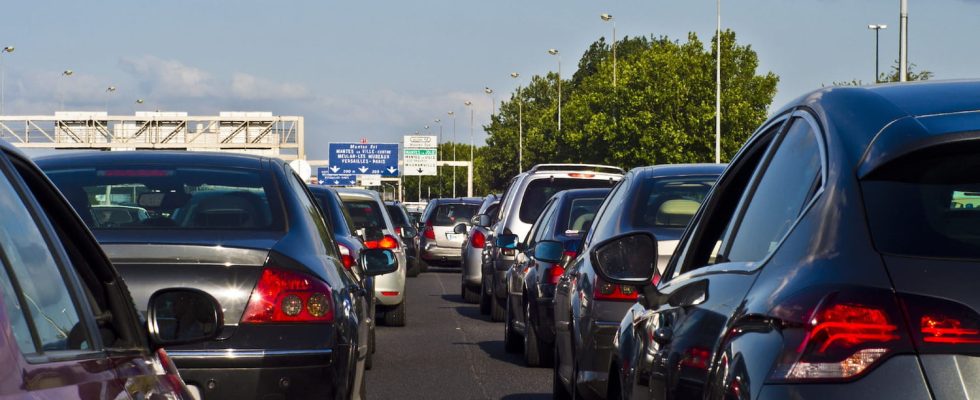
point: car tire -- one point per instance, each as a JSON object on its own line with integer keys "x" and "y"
{"x": 395, "y": 316}
{"x": 536, "y": 352}
{"x": 558, "y": 390}
{"x": 498, "y": 311}
{"x": 485, "y": 299}
{"x": 512, "y": 339}
{"x": 471, "y": 295}
{"x": 369, "y": 360}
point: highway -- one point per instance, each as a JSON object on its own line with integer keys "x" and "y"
{"x": 449, "y": 351}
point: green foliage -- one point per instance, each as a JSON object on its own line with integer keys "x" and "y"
{"x": 892, "y": 76}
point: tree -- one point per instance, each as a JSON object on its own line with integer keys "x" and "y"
{"x": 892, "y": 76}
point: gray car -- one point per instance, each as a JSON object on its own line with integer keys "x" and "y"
{"x": 522, "y": 203}
{"x": 474, "y": 249}
{"x": 440, "y": 241}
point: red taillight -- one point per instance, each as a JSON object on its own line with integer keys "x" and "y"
{"x": 429, "y": 232}
{"x": 283, "y": 296}
{"x": 398, "y": 230}
{"x": 478, "y": 240}
{"x": 607, "y": 291}
{"x": 554, "y": 273}
{"x": 696, "y": 357}
{"x": 942, "y": 326}
{"x": 345, "y": 256}
{"x": 580, "y": 175}
{"x": 389, "y": 294}
{"x": 387, "y": 242}
{"x": 844, "y": 335}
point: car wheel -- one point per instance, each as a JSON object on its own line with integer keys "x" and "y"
{"x": 369, "y": 361}
{"x": 396, "y": 315}
{"x": 471, "y": 295}
{"x": 485, "y": 299}
{"x": 536, "y": 353}
{"x": 497, "y": 309}
{"x": 558, "y": 389}
{"x": 512, "y": 340}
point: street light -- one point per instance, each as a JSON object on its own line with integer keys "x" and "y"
{"x": 608, "y": 18}
{"x": 453, "y": 114}
{"x": 109, "y": 91}
{"x": 8, "y": 49}
{"x": 520, "y": 125}
{"x": 903, "y": 41}
{"x": 66, "y": 73}
{"x": 718, "y": 87}
{"x": 489, "y": 92}
{"x": 439, "y": 121}
{"x": 554, "y": 52}
{"x": 469, "y": 104}
{"x": 877, "y": 28}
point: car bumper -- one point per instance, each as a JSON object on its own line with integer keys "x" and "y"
{"x": 472, "y": 263}
{"x": 236, "y": 374}
{"x": 433, "y": 253}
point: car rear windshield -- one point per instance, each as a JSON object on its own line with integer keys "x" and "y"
{"x": 927, "y": 205}
{"x": 540, "y": 190}
{"x": 365, "y": 214}
{"x": 450, "y": 214}
{"x": 670, "y": 202}
{"x": 158, "y": 197}
{"x": 581, "y": 213}
{"x": 397, "y": 216}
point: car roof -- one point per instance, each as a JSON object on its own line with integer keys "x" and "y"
{"x": 457, "y": 200}
{"x": 362, "y": 193}
{"x": 582, "y": 193}
{"x": 176, "y": 158}
{"x": 665, "y": 170}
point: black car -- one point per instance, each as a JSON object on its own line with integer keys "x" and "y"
{"x": 836, "y": 257}
{"x": 407, "y": 230}
{"x": 565, "y": 220}
{"x": 350, "y": 246}
{"x": 245, "y": 230}
{"x": 588, "y": 309}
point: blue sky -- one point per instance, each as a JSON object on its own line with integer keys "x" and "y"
{"x": 379, "y": 70}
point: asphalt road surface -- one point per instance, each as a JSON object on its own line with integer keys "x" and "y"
{"x": 448, "y": 350}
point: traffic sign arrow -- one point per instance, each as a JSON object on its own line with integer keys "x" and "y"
{"x": 363, "y": 169}
{"x": 392, "y": 170}
{"x": 334, "y": 169}
{"x": 336, "y": 182}
{"x": 420, "y": 170}
{"x": 353, "y": 182}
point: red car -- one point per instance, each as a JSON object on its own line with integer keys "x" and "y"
{"x": 68, "y": 326}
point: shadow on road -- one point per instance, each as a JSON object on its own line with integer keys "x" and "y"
{"x": 452, "y": 298}
{"x": 471, "y": 311}
{"x": 495, "y": 349}
{"x": 527, "y": 396}
{"x": 442, "y": 270}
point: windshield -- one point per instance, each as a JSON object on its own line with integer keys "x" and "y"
{"x": 156, "y": 197}
{"x": 453, "y": 213}
{"x": 581, "y": 213}
{"x": 671, "y": 202}
{"x": 365, "y": 214}
{"x": 397, "y": 216}
{"x": 540, "y": 190}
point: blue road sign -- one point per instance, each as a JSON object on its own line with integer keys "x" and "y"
{"x": 364, "y": 158}
{"x": 325, "y": 177}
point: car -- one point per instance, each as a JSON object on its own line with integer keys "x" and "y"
{"x": 349, "y": 246}
{"x": 472, "y": 253}
{"x": 529, "y": 324}
{"x": 405, "y": 228}
{"x": 522, "y": 204}
{"x": 370, "y": 217}
{"x": 659, "y": 200}
{"x": 68, "y": 323}
{"x": 415, "y": 210}
{"x": 443, "y": 229}
{"x": 831, "y": 260}
{"x": 245, "y": 230}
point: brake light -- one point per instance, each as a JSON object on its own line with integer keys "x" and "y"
{"x": 554, "y": 273}
{"x": 843, "y": 336}
{"x": 580, "y": 175}
{"x": 387, "y": 242}
{"x": 944, "y": 329}
{"x": 345, "y": 256}
{"x": 478, "y": 240}
{"x": 607, "y": 291}
{"x": 942, "y": 326}
{"x": 283, "y": 296}
{"x": 135, "y": 173}
{"x": 398, "y": 230}
{"x": 429, "y": 232}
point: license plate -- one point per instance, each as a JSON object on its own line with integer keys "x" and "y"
{"x": 454, "y": 236}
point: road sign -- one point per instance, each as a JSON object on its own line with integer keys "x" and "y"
{"x": 420, "y": 155}
{"x": 362, "y": 158}
{"x": 327, "y": 178}
{"x": 369, "y": 180}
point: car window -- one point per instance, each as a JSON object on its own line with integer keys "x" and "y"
{"x": 365, "y": 214}
{"x": 52, "y": 311}
{"x": 780, "y": 196}
{"x": 450, "y": 214}
{"x": 540, "y": 227}
{"x": 309, "y": 206}
{"x": 540, "y": 190}
{"x": 606, "y": 221}
{"x": 492, "y": 212}
{"x": 670, "y": 202}
{"x": 581, "y": 215}
{"x": 397, "y": 216}
{"x": 547, "y": 221}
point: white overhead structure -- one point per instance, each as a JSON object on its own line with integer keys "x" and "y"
{"x": 246, "y": 132}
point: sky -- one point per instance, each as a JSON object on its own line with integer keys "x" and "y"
{"x": 382, "y": 69}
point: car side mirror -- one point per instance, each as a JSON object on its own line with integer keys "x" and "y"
{"x": 460, "y": 228}
{"x": 627, "y": 259}
{"x": 378, "y": 261}
{"x": 183, "y": 315}
{"x": 507, "y": 241}
{"x": 481, "y": 220}
{"x": 549, "y": 251}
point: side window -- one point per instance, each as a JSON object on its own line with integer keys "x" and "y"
{"x": 541, "y": 225}
{"x": 607, "y": 218}
{"x": 326, "y": 234}
{"x": 547, "y": 229}
{"x": 785, "y": 188}
{"x": 51, "y": 314}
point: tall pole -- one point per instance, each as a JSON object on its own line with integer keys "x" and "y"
{"x": 469, "y": 104}
{"x": 877, "y": 28}
{"x": 438, "y": 157}
{"x": 109, "y": 90}
{"x": 903, "y": 47}
{"x": 3, "y": 78}
{"x": 718, "y": 88}
{"x": 65, "y": 74}
{"x": 555, "y": 52}
{"x": 453, "y": 114}
{"x": 609, "y": 18}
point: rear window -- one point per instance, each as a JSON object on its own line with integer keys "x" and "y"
{"x": 581, "y": 213}
{"x": 365, "y": 214}
{"x": 671, "y": 202}
{"x": 927, "y": 205}
{"x": 540, "y": 190}
{"x": 397, "y": 216}
{"x": 156, "y": 197}
{"x": 452, "y": 214}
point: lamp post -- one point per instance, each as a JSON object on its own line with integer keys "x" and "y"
{"x": 109, "y": 91}
{"x": 67, "y": 73}
{"x": 520, "y": 125}
{"x": 439, "y": 121}
{"x": 489, "y": 92}
{"x": 877, "y": 28}
{"x": 8, "y": 49}
{"x": 555, "y": 52}
{"x": 718, "y": 87}
{"x": 903, "y": 38}
{"x": 609, "y": 18}
{"x": 453, "y": 114}
{"x": 469, "y": 104}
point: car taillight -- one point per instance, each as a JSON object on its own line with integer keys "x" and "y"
{"x": 842, "y": 337}
{"x": 608, "y": 291}
{"x": 554, "y": 273}
{"x": 398, "y": 230}
{"x": 345, "y": 256}
{"x": 283, "y": 296}
{"x": 942, "y": 326}
{"x": 387, "y": 242}
{"x": 429, "y": 232}
{"x": 478, "y": 240}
